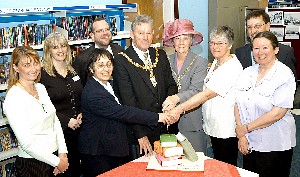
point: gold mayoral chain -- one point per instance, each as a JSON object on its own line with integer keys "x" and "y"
{"x": 180, "y": 76}
{"x": 149, "y": 67}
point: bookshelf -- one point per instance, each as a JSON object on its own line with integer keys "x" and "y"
{"x": 12, "y": 17}
{"x": 41, "y": 15}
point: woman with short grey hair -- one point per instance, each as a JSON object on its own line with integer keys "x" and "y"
{"x": 218, "y": 96}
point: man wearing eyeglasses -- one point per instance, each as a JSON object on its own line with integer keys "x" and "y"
{"x": 259, "y": 21}
{"x": 101, "y": 36}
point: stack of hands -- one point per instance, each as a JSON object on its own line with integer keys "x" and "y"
{"x": 171, "y": 110}
{"x": 63, "y": 164}
{"x": 75, "y": 123}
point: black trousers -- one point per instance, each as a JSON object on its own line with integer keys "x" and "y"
{"x": 74, "y": 169}
{"x": 30, "y": 167}
{"x": 269, "y": 164}
{"x": 225, "y": 150}
{"x": 94, "y": 165}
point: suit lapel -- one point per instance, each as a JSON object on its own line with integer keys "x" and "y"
{"x": 172, "y": 60}
{"x": 188, "y": 60}
{"x": 100, "y": 87}
{"x": 114, "y": 49}
{"x": 145, "y": 75}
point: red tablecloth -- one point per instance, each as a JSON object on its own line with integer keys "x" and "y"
{"x": 212, "y": 168}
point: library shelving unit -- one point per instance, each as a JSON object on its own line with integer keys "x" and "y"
{"x": 11, "y": 17}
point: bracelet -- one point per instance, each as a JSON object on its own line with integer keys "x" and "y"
{"x": 182, "y": 108}
{"x": 247, "y": 128}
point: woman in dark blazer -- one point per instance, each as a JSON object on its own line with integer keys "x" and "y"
{"x": 103, "y": 140}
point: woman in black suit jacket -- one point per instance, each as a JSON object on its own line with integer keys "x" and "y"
{"x": 103, "y": 139}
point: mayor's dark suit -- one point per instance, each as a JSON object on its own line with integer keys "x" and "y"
{"x": 103, "y": 130}
{"x": 81, "y": 61}
{"x": 134, "y": 88}
{"x": 285, "y": 55}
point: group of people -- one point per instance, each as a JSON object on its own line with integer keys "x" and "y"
{"x": 110, "y": 105}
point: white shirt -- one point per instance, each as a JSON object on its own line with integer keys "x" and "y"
{"x": 109, "y": 88}
{"x": 140, "y": 53}
{"x": 218, "y": 112}
{"x": 35, "y": 124}
{"x": 276, "y": 88}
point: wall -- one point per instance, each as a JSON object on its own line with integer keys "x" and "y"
{"x": 197, "y": 12}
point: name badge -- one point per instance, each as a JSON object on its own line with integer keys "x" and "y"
{"x": 76, "y": 78}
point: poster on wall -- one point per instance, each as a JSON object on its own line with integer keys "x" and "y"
{"x": 291, "y": 32}
{"x": 276, "y": 18}
{"x": 292, "y": 18}
{"x": 279, "y": 32}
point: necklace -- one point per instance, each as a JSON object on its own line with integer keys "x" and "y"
{"x": 219, "y": 64}
{"x": 180, "y": 76}
{"x": 149, "y": 67}
{"x": 32, "y": 93}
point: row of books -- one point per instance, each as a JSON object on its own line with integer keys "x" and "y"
{"x": 170, "y": 149}
{"x": 4, "y": 69}
{"x": 8, "y": 168}
{"x": 24, "y": 34}
{"x": 167, "y": 151}
{"x": 7, "y": 139}
{"x": 79, "y": 27}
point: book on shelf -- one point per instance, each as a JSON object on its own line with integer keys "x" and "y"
{"x": 168, "y": 151}
{"x": 168, "y": 140}
{"x": 168, "y": 161}
{"x": 7, "y": 139}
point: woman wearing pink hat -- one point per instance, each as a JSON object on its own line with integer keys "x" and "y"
{"x": 189, "y": 71}
{"x": 218, "y": 97}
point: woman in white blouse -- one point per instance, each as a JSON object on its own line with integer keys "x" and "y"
{"x": 265, "y": 127}
{"x": 218, "y": 96}
{"x": 32, "y": 117}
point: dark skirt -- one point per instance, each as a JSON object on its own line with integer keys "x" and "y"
{"x": 30, "y": 167}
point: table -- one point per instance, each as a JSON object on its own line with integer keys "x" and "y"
{"x": 212, "y": 168}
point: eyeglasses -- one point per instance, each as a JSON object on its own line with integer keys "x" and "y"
{"x": 100, "y": 31}
{"x": 218, "y": 44}
{"x": 257, "y": 27}
{"x": 101, "y": 66}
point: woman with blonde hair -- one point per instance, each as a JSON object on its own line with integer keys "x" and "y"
{"x": 64, "y": 88}
{"x": 32, "y": 117}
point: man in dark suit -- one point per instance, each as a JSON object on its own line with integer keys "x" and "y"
{"x": 101, "y": 35}
{"x": 259, "y": 21}
{"x": 143, "y": 79}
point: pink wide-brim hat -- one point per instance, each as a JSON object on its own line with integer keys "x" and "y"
{"x": 177, "y": 28}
